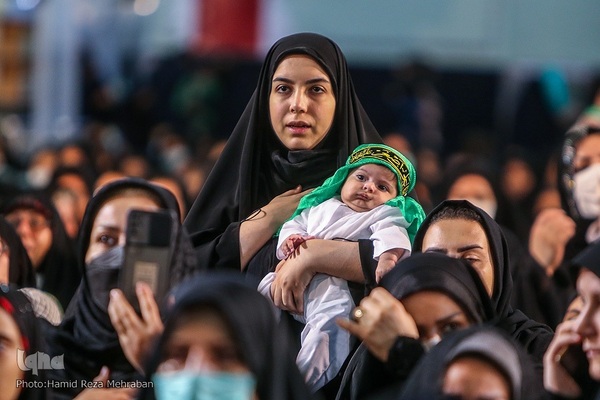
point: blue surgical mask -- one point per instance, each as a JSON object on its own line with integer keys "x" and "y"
{"x": 187, "y": 385}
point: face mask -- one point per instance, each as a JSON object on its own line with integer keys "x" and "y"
{"x": 39, "y": 177}
{"x": 489, "y": 206}
{"x": 103, "y": 275}
{"x": 586, "y": 192}
{"x": 186, "y": 385}
{"x": 429, "y": 344}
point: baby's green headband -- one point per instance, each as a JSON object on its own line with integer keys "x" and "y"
{"x": 388, "y": 157}
{"x": 374, "y": 154}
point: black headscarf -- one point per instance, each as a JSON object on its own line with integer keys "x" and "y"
{"x": 535, "y": 337}
{"x": 264, "y": 342}
{"x": 484, "y": 342}
{"x": 19, "y": 307}
{"x": 566, "y": 185}
{"x": 86, "y": 336}
{"x": 450, "y": 276}
{"x": 20, "y": 270}
{"x": 59, "y": 267}
{"x": 365, "y": 374}
{"x": 255, "y": 166}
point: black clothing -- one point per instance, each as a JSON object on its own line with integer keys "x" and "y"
{"x": 484, "y": 342}
{"x": 365, "y": 374}
{"x": 264, "y": 342}
{"x": 18, "y": 306}
{"x": 534, "y": 336}
{"x": 86, "y": 336}
{"x": 20, "y": 270}
{"x": 255, "y": 166}
{"x": 59, "y": 271}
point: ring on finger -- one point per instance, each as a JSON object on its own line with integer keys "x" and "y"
{"x": 357, "y": 313}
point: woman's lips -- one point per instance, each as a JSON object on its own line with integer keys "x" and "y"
{"x": 298, "y": 127}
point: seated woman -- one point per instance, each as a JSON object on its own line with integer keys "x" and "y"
{"x": 459, "y": 229}
{"x": 51, "y": 251}
{"x": 481, "y": 362}
{"x": 16, "y": 269}
{"x": 222, "y": 340}
{"x": 15, "y": 265}
{"x": 572, "y": 361}
{"x": 86, "y": 337}
{"x": 424, "y": 297}
{"x": 21, "y": 336}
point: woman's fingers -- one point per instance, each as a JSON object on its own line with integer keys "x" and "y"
{"x": 119, "y": 311}
{"x": 148, "y": 305}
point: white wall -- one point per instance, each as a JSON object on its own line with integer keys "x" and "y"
{"x": 451, "y": 33}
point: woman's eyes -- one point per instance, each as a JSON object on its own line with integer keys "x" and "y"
{"x": 287, "y": 89}
{"x": 107, "y": 240}
{"x": 450, "y": 327}
{"x": 282, "y": 89}
{"x": 471, "y": 258}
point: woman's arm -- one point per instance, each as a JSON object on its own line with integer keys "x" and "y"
{"x": 331, "y": 257}
{"x": 259, "y": 228}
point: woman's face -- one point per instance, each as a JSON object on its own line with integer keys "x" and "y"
{"x": 472, "y": 378}
{"x": 587, "y": 152}
{"x": 10, "y": 342}
{"x": 476, "y": 189}
{"x": 464, "y": 239}
{"x": 435, "y": 315}
{"x": 4, "y": 261}
{"x": 202, "y": 342}
{"x": 301, "y": 102}
{"x": 574, "y": 309}
{"x": 35, "y": 233}
{"x": 110, "y": 223}
{"x": 587, "y": 324}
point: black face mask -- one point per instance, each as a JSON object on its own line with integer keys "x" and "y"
{"x": 103, "y": 275}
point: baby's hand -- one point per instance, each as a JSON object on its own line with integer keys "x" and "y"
{"x": 382, "y": 269}
{"x": 293, "y": 242}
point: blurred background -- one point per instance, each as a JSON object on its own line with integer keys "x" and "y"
{"x": 158, "y": 85}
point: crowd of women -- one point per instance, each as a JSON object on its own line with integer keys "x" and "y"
{"x": 471, "y": 311}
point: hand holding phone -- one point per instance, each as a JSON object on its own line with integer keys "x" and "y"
{"x": 149, "y": 246}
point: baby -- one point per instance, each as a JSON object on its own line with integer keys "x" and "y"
{"x": 364, "y": 199}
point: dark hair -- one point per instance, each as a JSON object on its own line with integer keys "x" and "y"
{"x": 450, "y": 212}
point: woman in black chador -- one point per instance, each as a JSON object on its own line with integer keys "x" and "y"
{"x": 86, "y": 337}
{"x": 301, "y": 124}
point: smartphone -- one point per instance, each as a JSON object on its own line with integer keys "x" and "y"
{"x": 575, "y": 362}
{"x": 149, "y": 246}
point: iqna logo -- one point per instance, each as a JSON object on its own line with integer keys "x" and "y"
{"x": 39, "y": 361}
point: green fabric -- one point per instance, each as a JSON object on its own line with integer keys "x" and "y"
{"x": 373, "y": 154}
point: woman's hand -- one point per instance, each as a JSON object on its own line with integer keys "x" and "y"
{"x": 383, "y": 320}
{"x": 104, "y": 393}
{"x": 548, "y": 238}
{"x": 332, "y": 257}
{"x": 292, "y": 276}
{"x": 281, "y": 208}
{"x": 136, "y": 334}
{"x": 556, "y": 378}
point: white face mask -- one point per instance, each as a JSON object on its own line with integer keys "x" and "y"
{"x": 587, "y": 191}
{"x": 39, "y": 177}
{"x": 489, "y": 206}
{"x": 428, "y": 344}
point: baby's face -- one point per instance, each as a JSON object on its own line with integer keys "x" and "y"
{"x": 369, "y": 186}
